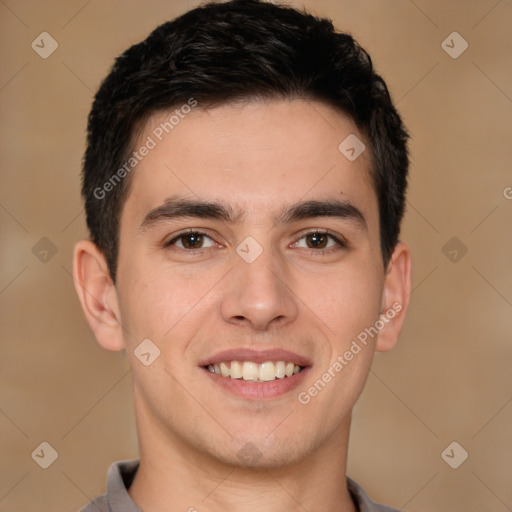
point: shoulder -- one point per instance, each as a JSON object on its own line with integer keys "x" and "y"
{"x": 116, "y": 498}
{"x": 363, "y": 501}
{"x": 98, "y": 504}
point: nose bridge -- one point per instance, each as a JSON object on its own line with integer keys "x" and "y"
{"x": 258, "y": 291}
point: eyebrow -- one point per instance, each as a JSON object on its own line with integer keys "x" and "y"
{"x": 176, "y": 207}
{"x": 327, "y": 208}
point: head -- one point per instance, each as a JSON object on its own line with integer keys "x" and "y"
{"x": 229, "y": 122}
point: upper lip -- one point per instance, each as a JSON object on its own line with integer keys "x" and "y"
{"x": 256, "y": 356}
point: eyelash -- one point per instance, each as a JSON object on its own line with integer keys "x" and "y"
{"x": 341, "y": 243}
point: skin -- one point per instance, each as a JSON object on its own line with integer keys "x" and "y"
{"x": 258, "y": 157}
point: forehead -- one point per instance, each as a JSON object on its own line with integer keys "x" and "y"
{"x": 256, "y": 156}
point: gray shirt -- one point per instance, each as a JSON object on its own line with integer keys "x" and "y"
{"x": 121, "y": 474}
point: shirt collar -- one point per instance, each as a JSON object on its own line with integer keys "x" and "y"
{"x": 121, "y": 474}
{"x": 119, "y": 478}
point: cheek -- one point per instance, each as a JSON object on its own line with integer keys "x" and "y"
{"x": 347, "y": 301}
{"x": 349, "y": 305}
{"x": 159, "y": 303}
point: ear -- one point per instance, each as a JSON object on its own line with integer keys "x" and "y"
{"x": 395, "y": 297}
{"x": 97, "y": 294}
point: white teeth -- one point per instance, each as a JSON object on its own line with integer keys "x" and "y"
{"x": 250, "y": 371}
{"x": 224, "y": 370}
{"x": 235, "y": 371}
{"x": 280, "y": 370}
{"x": 267, "y": 371}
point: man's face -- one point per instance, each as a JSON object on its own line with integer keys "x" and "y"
{"x": 198, "y": 295}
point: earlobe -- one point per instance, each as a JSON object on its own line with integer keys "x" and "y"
{"x": 395, "y": 297}
{"x": 97, "y": 294}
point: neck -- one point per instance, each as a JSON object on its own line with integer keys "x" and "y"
{"x": 173, "y": 475}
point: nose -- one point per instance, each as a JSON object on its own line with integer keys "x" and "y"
{"x": 259, "y": 294}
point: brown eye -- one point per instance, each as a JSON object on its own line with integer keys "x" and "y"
{"x": 191, "y": 240}
{"x": 318, "y": 240}
{"x": 321, "y": 242}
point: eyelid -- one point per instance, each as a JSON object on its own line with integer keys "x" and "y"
{"x": 321, "y": 231}
{"x": 340, "y": 241}
{"x": 188, "y": 232}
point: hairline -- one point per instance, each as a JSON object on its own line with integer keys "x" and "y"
{"x": 141, "y": 124}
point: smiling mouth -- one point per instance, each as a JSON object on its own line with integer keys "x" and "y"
{"x": 253, "y": 372}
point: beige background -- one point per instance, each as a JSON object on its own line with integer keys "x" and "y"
{"x": 450, "y": 378}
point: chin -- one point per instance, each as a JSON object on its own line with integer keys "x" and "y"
{"x": 263, "y": 453}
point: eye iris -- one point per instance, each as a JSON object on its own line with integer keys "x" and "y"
{"x": 196, "y": 238}
{"x": 320, "y": 240}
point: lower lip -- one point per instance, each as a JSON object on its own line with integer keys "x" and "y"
{"x": 258, "y": 390}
